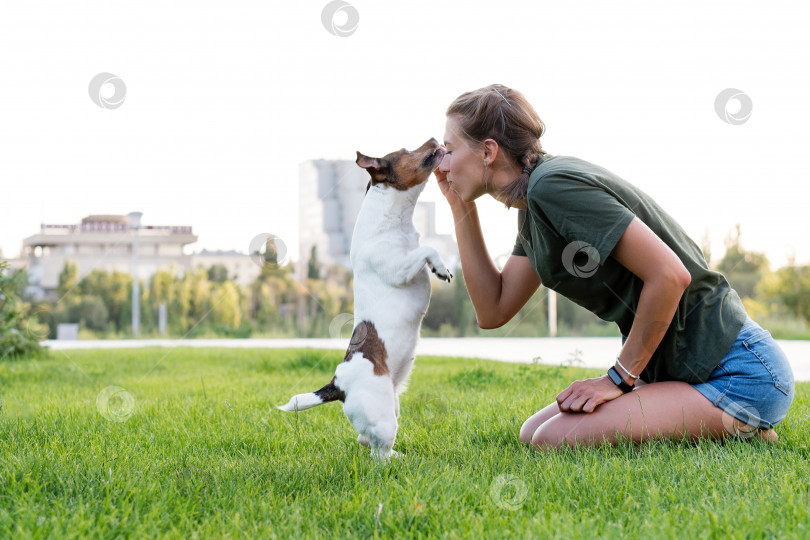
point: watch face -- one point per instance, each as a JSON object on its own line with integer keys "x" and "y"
{"x": 617, "y": 380}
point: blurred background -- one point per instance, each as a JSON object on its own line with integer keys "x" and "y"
{"x": 215, "y": 143}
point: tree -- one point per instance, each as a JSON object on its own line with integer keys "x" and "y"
{"x": 441, "y": 309}
{"x": 226, "y": 308}
{"x": 218, "y": 273}
{"x": 706, "y": 247}
{"x": 463, "y": 313}
{"x": 115, "y": 291}
{"x": 313, "y": 266}
{"x": 17, "y": 337}
{"x": 789, "y": 287}
{"x": 68, "y": 278}
{"x": 743, "y": 269}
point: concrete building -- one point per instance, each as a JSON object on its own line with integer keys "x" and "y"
{"x": 242, "y": 270}
{"x": 102, "y": 242}
{"x": 330, "y": 193}
{"x": 424, "y": 220}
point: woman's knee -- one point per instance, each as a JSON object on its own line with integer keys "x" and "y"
{"x": 536, "y": 420}
{"x": 547, "y": 437}
{"x": 526, "y": 431}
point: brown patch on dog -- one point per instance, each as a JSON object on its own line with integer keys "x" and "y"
{"x": 366, "y": 341}
{"x": 402, "y": 169}
{"x": 330, "y": 392}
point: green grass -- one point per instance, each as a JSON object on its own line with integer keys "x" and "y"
{"x": 203, "y": 454}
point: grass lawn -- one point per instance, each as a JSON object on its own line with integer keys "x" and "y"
{"x": 191, "y": 447}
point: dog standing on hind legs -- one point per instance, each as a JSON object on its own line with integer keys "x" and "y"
{"x": 391, "y": 296}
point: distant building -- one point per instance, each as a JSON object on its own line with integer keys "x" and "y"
{"x": 330, "y": 195}
{"x": 102, "y": 242}
{"x": 242, "y": 270}
{"x": 424, "y": 220}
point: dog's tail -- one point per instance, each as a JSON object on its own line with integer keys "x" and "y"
{"x": 301, "y": 402}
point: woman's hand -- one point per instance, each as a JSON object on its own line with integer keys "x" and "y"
{"x": 451, "y": 196}
{"x": 586, "y": 395}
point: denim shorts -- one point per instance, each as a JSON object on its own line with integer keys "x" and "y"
{"x": 754, "y": 381}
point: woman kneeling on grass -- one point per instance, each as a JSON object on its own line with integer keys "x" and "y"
{"x": 710, "y": 370}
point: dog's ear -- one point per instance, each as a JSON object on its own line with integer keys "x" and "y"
{"x": 378, "y": 168}
{"x": 365, "y": 161}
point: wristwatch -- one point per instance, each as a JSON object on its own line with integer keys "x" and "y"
{"x": 618, "y": 381}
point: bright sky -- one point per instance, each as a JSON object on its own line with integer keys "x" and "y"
{"x": 224, "y": 100}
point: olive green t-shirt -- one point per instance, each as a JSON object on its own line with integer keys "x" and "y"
{"x": 576, "y": 212}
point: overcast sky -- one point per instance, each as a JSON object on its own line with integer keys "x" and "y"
{"x": 224, "y": 100}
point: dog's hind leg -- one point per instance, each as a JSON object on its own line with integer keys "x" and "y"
{"x": 382, "y": 443}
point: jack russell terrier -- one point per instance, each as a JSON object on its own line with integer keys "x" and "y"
{"x": 391, "y": 296}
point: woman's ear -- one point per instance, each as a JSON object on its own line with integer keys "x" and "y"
{"x": 490, "y": 150}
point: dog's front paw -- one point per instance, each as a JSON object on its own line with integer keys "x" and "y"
{"x": 382, "y": 455}
{"x": 442, "y": 273}
{"x": 362, "y": 439}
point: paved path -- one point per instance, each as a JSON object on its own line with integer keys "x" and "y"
{"x": 594, "y": 352}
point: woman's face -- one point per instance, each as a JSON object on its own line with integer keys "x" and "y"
{"x": 463, "y": 165}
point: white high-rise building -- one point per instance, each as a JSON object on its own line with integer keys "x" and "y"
{"x": 330, "y": 195}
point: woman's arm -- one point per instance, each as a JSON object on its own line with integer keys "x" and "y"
{"x": 665, "y": 279}
{"x": 496, "y": 296}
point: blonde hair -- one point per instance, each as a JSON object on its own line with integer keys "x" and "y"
{"x": 506, "y": 116}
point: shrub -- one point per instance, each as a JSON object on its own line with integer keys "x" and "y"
{"x": 15, "y": 338}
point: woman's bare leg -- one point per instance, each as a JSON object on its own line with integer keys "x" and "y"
{"x": 536, "y": 420}
{"x": 544, "y": 414}
{"x": 664, "y": 409}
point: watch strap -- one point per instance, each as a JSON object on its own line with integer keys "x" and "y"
{"x": 618, "y": 380}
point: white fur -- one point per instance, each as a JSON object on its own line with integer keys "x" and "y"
{"x": 392, "y": 291}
